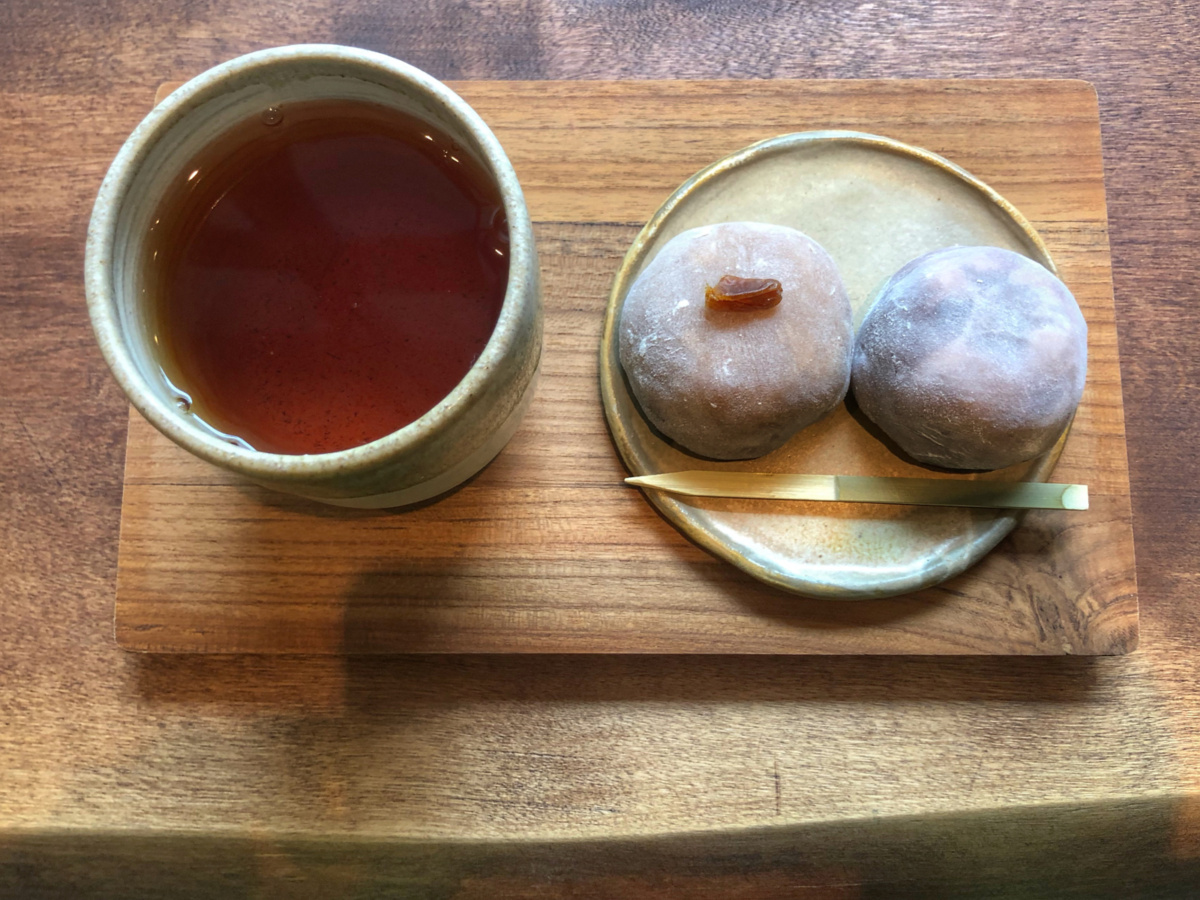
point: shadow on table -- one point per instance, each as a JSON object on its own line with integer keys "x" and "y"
{"x": 1145, "y": 849}
{"x": 378, "y": 683}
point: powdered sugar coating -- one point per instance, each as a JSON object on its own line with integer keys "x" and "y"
{"x": 736, "y": 384}
{"x": 972, "y": 358}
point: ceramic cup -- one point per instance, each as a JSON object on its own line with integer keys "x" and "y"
{"x": 438, "y": 451}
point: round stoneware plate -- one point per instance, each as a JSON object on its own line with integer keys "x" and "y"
{"x": 874, "y": 204}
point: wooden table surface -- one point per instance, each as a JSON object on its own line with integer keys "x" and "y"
{"x": 125, "y": 775}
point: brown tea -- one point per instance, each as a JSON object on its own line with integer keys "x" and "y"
{"x": 324, "y": 274}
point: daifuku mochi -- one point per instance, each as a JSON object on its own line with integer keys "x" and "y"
{"x": 972, "y": 358}
{"x": 735, "y": 383}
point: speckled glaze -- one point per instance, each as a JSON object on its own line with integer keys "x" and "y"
{"x": 443, "y": 448}
{"x": 874, "y": 204}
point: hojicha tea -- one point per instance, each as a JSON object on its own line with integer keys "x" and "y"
{"x": 324, "y": 274}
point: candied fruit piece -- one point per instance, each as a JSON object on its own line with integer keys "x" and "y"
{"x": 733, "y": 292}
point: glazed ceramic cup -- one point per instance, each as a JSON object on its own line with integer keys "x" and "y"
{"x": 438, "y": 451}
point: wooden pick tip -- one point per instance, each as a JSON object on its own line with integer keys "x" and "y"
{"x": 1075, "y": 497}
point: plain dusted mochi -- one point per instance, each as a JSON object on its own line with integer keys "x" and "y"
{"x": 737, "y": 384}
{"x": 972, "y": 358}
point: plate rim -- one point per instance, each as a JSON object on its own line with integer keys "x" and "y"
{"x": 668, "y": 505}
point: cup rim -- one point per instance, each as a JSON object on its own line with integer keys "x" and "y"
{"x": 101, "y": 239}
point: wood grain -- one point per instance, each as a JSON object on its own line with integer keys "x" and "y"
{"x": 547, "y": 551}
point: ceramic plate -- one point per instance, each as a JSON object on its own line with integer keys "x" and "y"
{"x": 874, "y": 204}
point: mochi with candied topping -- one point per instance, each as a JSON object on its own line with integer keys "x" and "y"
{"x": 972, "y": 358}
{"x": 734, "y": 379}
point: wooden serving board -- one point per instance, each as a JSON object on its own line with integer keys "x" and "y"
{"x": 546, "y": 550}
